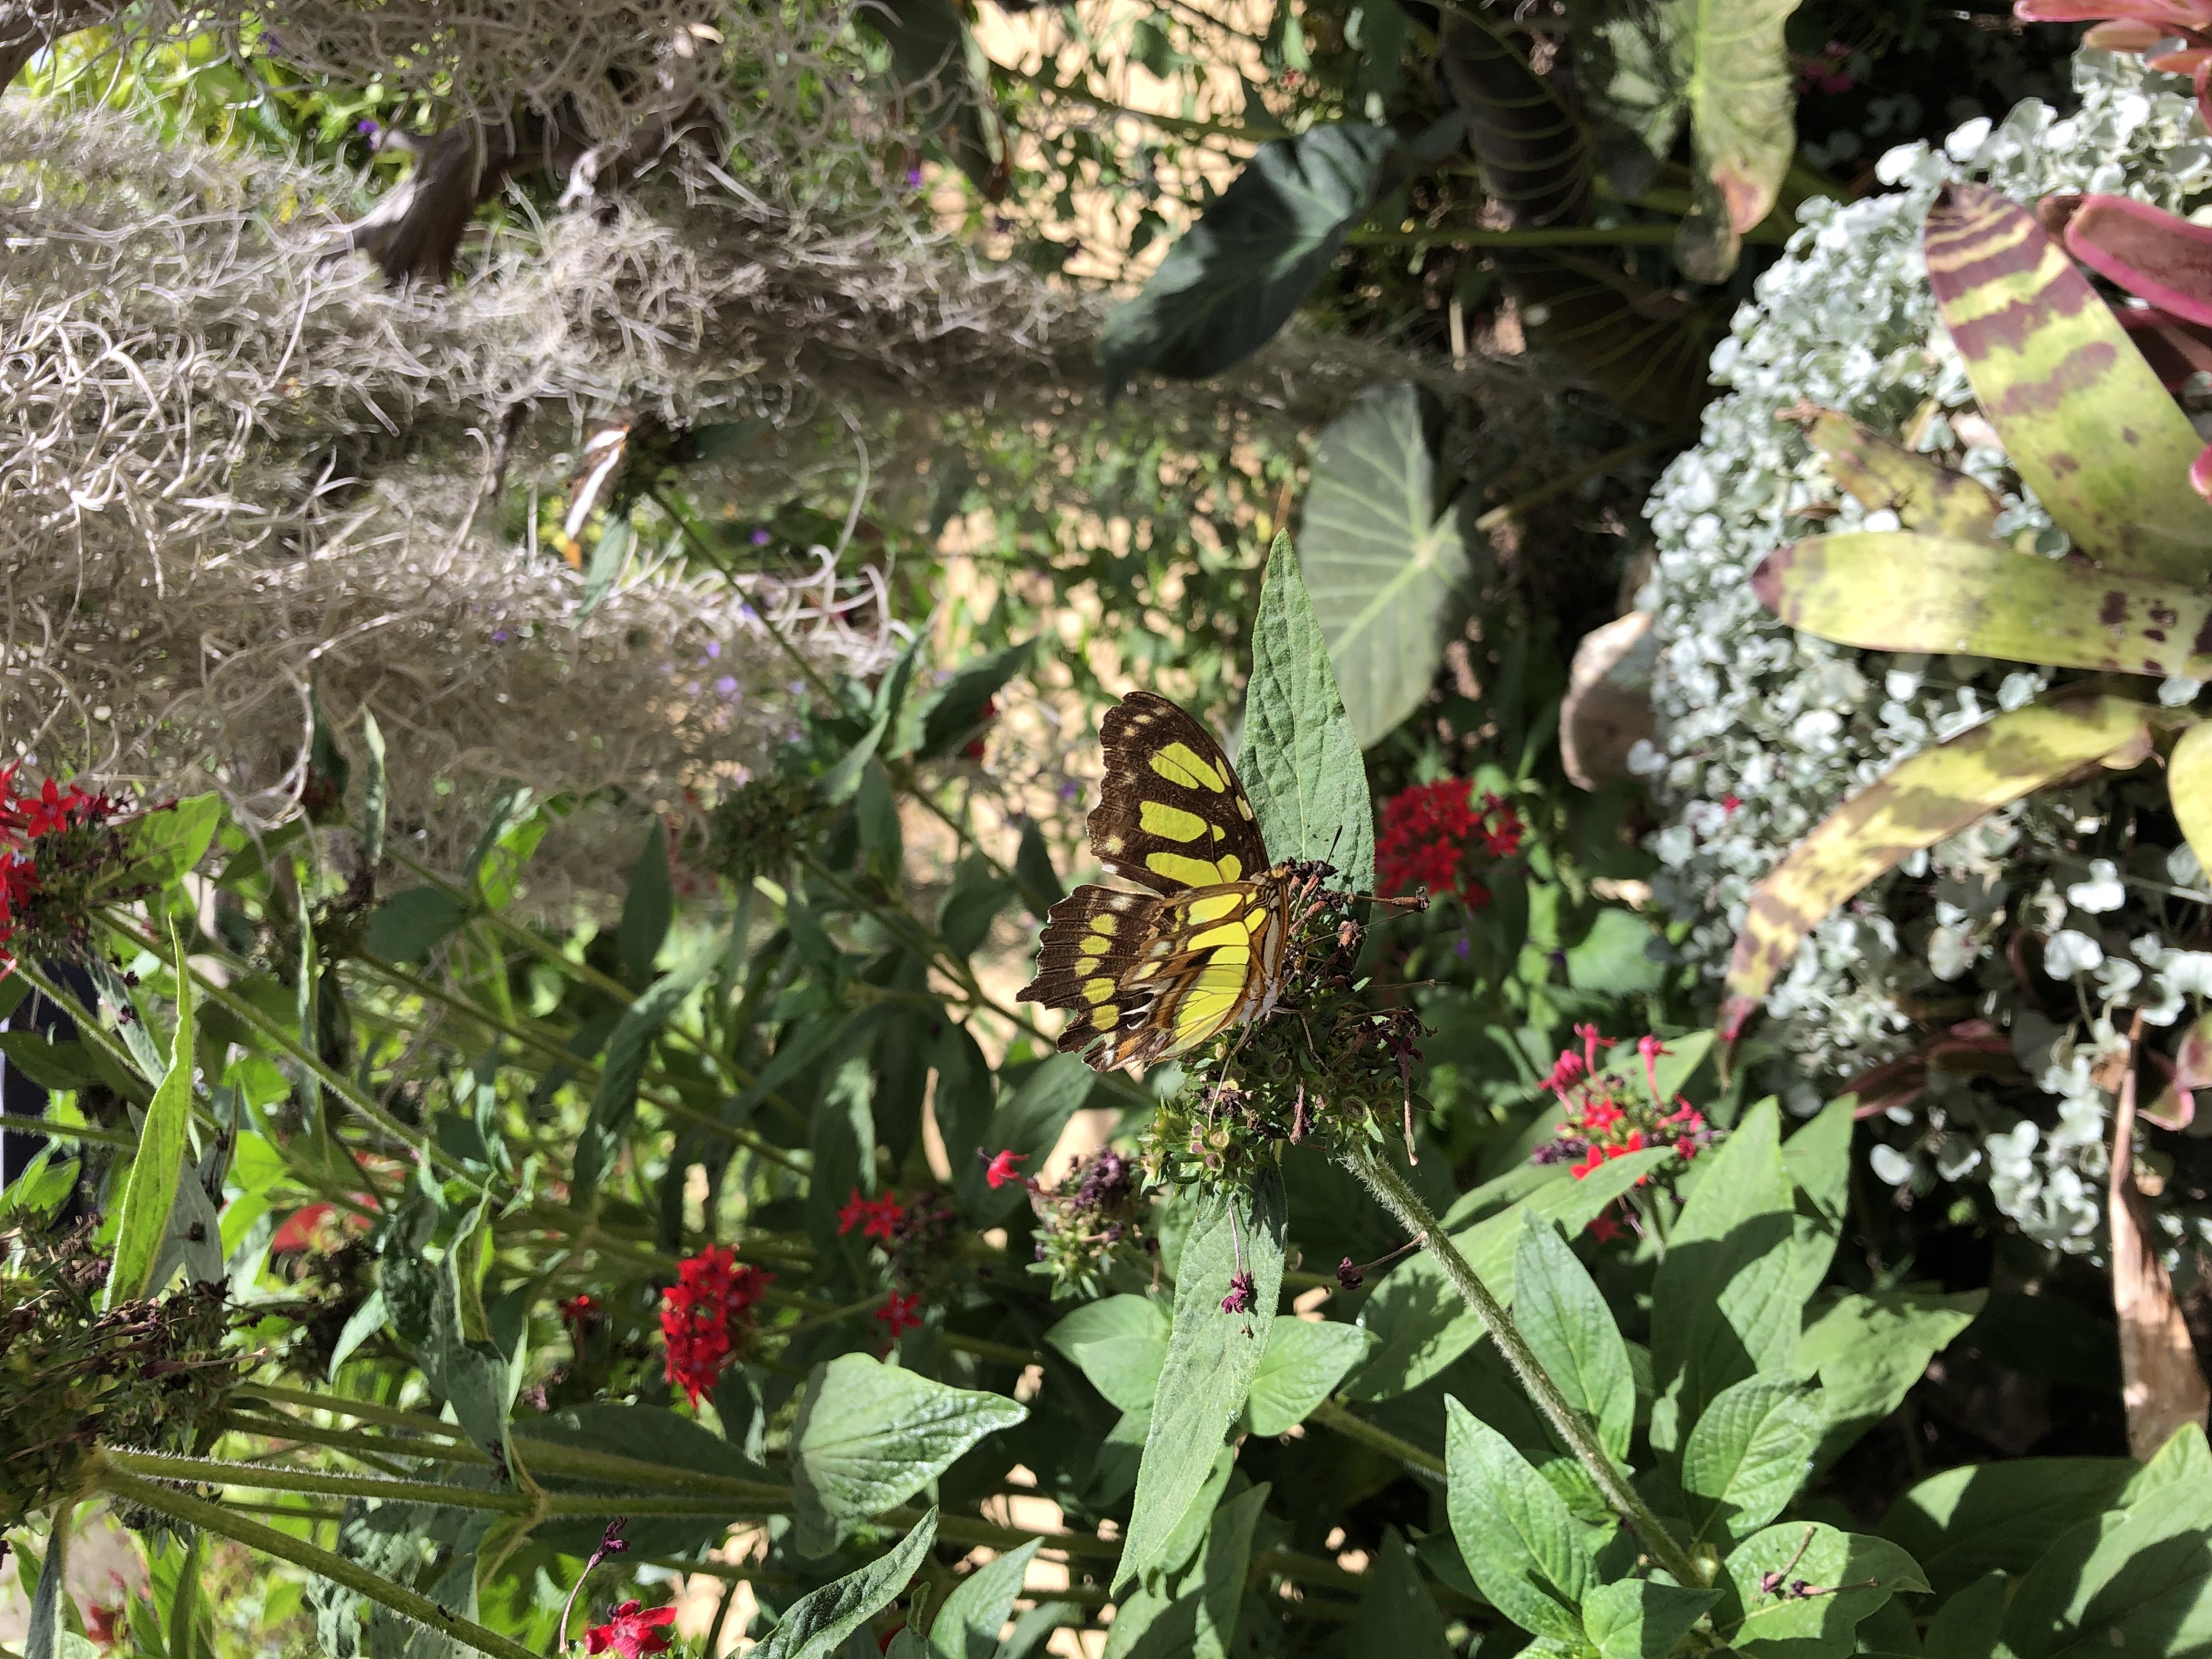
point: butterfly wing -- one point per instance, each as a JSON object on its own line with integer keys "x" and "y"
{"x": 1171, "y": 815}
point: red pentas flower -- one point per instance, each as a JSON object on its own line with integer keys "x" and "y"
{"x": 1612, "y": 1111}
{"x": 631, "y": 1631}
{"x": 707, "y": 1316}
{"x": 62, "y": 855}
{"x": 1001, "y": 1169}
{"x": 900, "y": 1312}
{"x": 876, "y": 1218}
{"x": 1433, "y": 836}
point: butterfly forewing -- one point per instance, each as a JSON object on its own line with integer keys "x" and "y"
{"x": 1172, "y": 814}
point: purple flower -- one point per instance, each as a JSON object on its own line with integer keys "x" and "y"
{"x": 500, "y": 633}
{"x": 713, "y": 647}
{"x": 1461, "y": 949}
{"x": 914, "y": 178}
{"x": 1243, "y": 1295}
{"x": 727, "y": 685}
{"x": 760, "y": 538}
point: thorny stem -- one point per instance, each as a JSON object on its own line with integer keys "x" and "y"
{"x": 1572, "y": 1428}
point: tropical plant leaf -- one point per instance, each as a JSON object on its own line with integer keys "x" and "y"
{"x": 1882, "y": 472}
{"x": 2000, "y": 1517}
{"x": 815, "y": 1627}
{"x": 1305, "y": 1359}
{"x": 1525, "y": 1553}
{"x": 1742, "y": 103}
{"x": 2155, "y": 255}
{"x": 1868, "y": 1351}
{"x": 1641, "y": 1619}
{"x": 1396, "y": 1615}
{"x": 1120, "y": 1344}
{"x": 967, "y": 1626}
{"x": 1935, "y": 794}
{"x": 156, "y": 1168}
{"x": 1386, "y": 562}
{"x": 1212, "y": 1356}
{"x": 1901, "y": 591}
{"x": 1572, "y": 1332}
{"x": 2189, "y": 785}
{"x": 2084, "y": 419}
{"x": 1300, "y": 763}
{"x": 1747, "y": 1455}
{"x": 1235, "y": 276}
{"x": 1854, "y": 1573}
{"x": 409, "y": 926}
{"x": 169, "y": 840}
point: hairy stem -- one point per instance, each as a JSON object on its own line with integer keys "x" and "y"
{"x": 1573, "y": 1429}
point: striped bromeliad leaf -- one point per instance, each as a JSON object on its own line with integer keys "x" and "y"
{"x": 2084, "y": 419}
{"x": 1901, "y": 591}
{"x": 1882, "y": 472}
{"x": 1935, "y": 794}
{"x": 2189, "y": 782}
{"x": 2155, "y": 255}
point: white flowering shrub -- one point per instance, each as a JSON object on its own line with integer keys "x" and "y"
{"x": 1764, "y": 730}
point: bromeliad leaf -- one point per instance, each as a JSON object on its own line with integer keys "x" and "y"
{"x": 1526, "y": 1551}
{"x": 1300, "y": 761}
{"x": 1213, "y": 1356}
{"x": 870, "y": 1435}
{"x": 1387, "y": 562}
{"x": 1931, "y": 795}
{"x": 1899, "y": 590}
{"x": 1883, "y": 474}
{"x": 2056, "y": 375}
{"x": 2189, "y": 785}
{"x": 1236, "y": 275}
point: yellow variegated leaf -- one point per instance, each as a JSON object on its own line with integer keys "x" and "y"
{"x": 1882, "y": 472}
{"x": 1935, "y": 794}
{"x": 2188, "y": 780}
{"x": 1902, "y": 591}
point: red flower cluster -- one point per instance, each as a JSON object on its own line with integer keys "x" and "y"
{"x": 876, "y": 1218}
{"x": 707, "y": 1314}
{"x": 57, "y": 847}
{"x": 1431, "y": 835}
{"x": 1607, "y": 1117}
{"x": 631, "y": 1631}
{"x": 913, "y": 1235}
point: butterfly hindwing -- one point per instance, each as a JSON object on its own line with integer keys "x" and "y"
{"x": 1172, "y": 814}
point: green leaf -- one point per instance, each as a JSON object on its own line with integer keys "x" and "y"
{"x": 460, "y": 1360}
{"x": 614, "y": 1102}
{"x": 842, "y": 780}
{"x": 816, "y": 1626}
{"x": 1749, "y": 1452}
{"x": 972, "y": 903}
{"x": 1641, "y": 1619}
{"x": 151, "y": 1190}
{"x": 1033, "y": 868}
{"x": 53, "y": 1065}
{"x": 1855, "y": 1573}
{"x": 1900, "y": 591}
{"x": 1305, "y": 1360}
{"x": 1386, "y": 560}
{"x": 2057, "y": 376}
{"x": 1869, "y": 1350}
{"x": 167, "y": 842}
{"x": 1212, "y": 1356}
{"x": 2000, "y": 1517}
{"x": 1029, "y": 1124}
{"x": 967, "y": 1626}
{"x": 376, "y": 793}
{"x": 1396, "y": 1616}
{"x": 1422, "y": 1322}
{"x": 1742, "y": 102}
{"x": 1722, "y": 1301}
{"x": 1571, "y": 1331}
{"x": 409, "y": 926}
{"x": 517, "y": 822}
{"x": 869, "y": 1437}
{"x": 1527, "y": 1554}
{"x": 1968, "y": 1626}
{"x": 1300, "y": 762}
{"x": 1235, "y": 277}
{"x": 1193, "y": 1616}
{"x": 1120, "y": 1344}
{"x": 1920, "y": 801}
{"x": 955, "y": 709}
{"x": 1615, "y": 956}
{"x": 647, "y": 908}
{"x": 1819, "y": 1159}
{"x": 941, "y": 73}
{"x": 608, "y": 557}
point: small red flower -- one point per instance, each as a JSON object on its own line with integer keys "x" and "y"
{"x": 1731, "y": 801}
{"x": 876, "y": 1218}
{"x": 1001, "y": 1168}
{"x": 973, "y": 749}
{"x": 1603, "y": 1228}
{"x": 298, "y": 1232}
{"x": 900, "y": 1312}
{"x": 631, "y": 1631}
{"x": 1243, "y": 1295}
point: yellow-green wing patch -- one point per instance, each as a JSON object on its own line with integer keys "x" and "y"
{"x": 1172, "y": 814}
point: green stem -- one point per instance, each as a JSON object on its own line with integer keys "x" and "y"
{"x": 1332, "y": 1415}
{"x": 1521, "y": 506}
{"x": 1572, "y": 1428}
{"x": 214, "y": 1517}
{"x": 38, "y": 1125}
{"x": 367, "y": 1445}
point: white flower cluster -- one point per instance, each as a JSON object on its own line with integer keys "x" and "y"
{"x": 1764, "y": 730}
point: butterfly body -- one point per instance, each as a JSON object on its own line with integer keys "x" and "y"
{"x": 1146, "y": 975}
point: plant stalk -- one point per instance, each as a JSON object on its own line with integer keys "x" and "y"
{"x": 1572, "y": 1428}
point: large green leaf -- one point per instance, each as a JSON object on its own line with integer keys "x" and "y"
{"x": 815, "y": 1627}
{"x": 1904, "y": 591}
{"x": 1386, "y": 560}
{"x": 2084, "y": 419}
{"x": 1300, "y": 762}
{"x": 1739, "y": 81}
{"x": 1932, "y": 794}
{"x": 1397, "y": 1617}
{"x": 1723, "y": 1302}
{"x": 1212, "y": 1356}
{"x": 1422, "y": 1323}
{"x": 1573, "y": 1333}
{"x": 1852, "y": 1573}
{"x": 1641, "y": 1617}
{"x": 1120, "y": 1344}
{"x": 1527, "y": 1554}
{"x": 156, "y": 1166}
{"x": 2000, "y": 1517}
{"x": 1869, "y": 1350}
{"x": 1194, "y": 1615}
{"x": 1747, "y": 1455}
{"x": 870, "y": 1435}
{"x": 168, "y": 840}
{"x": 1236, "y": 275}
{"x": 967, "y": 1626}
{"x": 1305, "y": 1359}
{"x": 1028, "y": 1123}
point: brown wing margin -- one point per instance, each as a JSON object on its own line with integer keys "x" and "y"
{"x": 1142, "y": 735}
{"x": 1092, "y": 939}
